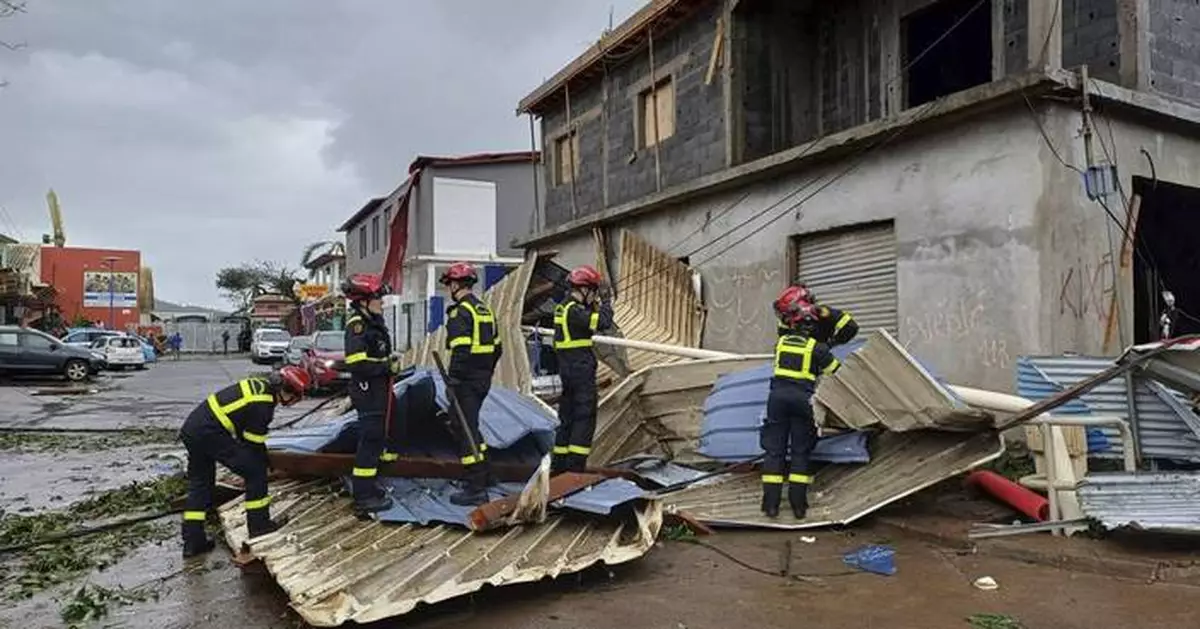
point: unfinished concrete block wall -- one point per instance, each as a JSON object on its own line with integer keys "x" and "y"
{"x": 1090, "y": 36}
{"x": 1016, "y": 36}
{"x": 614, "y": 166}
{"x": 1174, "y": 49}
{"x": 849, "y": 61}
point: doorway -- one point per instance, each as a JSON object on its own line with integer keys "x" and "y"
{"x": 1166, "y": 258}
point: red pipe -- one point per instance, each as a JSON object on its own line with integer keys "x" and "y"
{"x": 1019, "y": 498}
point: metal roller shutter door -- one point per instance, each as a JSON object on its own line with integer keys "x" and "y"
{"x": 854, "y": 270}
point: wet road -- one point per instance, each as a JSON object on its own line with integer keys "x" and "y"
{"x": 676, "y": 586}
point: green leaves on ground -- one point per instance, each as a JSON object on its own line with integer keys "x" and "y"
{"x": 92, "y": 602}
{"x": 994, "y": 621}
{"x": 48, "y": 565}
{"x": 61, "y": 442}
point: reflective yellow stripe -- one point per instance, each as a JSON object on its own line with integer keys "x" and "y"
{"x": 594, "y": 321}
{"x": 478, "y": 318}
{"x": 832, "y": 367}
{"x": 460, "y": 341}
{"x": 562, "y": 450}
{"x": 253, "y": 390}
{"x": 219, "y": 413}
{"x": 471, "y": 459}
{"x": 261, "y": 503}
{"x": 354, "y": 319}
{"x": 787, "y": 346}
{"x": 562, "y": 326}
{"x": 194, "y": 516}
{"x": 799, "y": 478}
{"x": 772, "y": 479}
{"x": 365, "y": 472}
{"x": 361, "y": 357}
{"x": 841, "y": 322}
{"x": 254, "y": 437}
{"x": 584, "y": 450}
{"x": 389, "y": 456}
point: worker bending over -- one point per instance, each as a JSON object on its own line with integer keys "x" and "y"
{"x": 799, "y": 358}
{"x": 372, "y": 366}
{"x": 833, "y": 326}
{"x": 473, "y": 338}
{"x": 230, "y": 428}
{"x": 576, "y": 320}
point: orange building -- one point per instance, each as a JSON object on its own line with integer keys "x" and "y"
{"x": 100, "y": 285}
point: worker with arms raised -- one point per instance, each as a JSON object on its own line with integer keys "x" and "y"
{"x": 372, "y": 365}
{"x": 230, "y": 428}
{"x": 799, "y": 360}
{"x": 473, "y": 338}
{"x": 576, "y": 320}
{"x": 833, "y": 326}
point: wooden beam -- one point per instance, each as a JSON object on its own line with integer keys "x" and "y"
{"x": 714, "y": 59}
{"x": 1133, "y": 35}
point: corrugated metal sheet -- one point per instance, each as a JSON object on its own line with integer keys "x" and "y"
{"x": 337, "y": 569}
{"x": 1145, "y": 500}
{"x": 855, "y": 269}
{"x": 882, "y": 385}
{"x": 901, "y": 464}
{"x": 1160, "y": 430}
{"x": 602, "y": 498}
{"x": 655, "y": 302}
{"x": 507, "y": 299}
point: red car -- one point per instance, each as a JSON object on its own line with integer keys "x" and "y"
{"x": 322, "y": 360}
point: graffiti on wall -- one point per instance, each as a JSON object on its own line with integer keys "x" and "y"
{"x": 739, "y": 302}
{"x": 962, "y": 326}
{"x": 1086, "y": 289}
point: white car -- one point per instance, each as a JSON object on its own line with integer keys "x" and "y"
{"x": 268, "y": 345}
{"x": 120, "y": 352}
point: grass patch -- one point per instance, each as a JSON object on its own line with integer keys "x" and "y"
{"x": 1014, "y": 464}
{"x": 994, "y": 621}
{"x": 678, "y": 533}
{"x": 46, "y": 566}
{"x": 34, "y": 442}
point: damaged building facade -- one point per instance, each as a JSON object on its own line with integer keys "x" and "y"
{"x": 918, "y": 162}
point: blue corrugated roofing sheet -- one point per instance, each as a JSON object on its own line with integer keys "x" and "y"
{"x": 736, "y": 407}
{"x": 603, "y": 497}
{"x": 1160, "y": 425}
{"x": 506, "y": 418}
{"x": 659, "y": 471}
{"x": 427, "y": 500}
{"x": 1162, "y": 501}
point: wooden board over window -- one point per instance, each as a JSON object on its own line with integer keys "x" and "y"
{"x": 657, "y": 113}
{"x": 566, "y": 158}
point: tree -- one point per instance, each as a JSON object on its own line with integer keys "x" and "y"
{"x": 313, "y": 248}
{"x": 241, "y": 284}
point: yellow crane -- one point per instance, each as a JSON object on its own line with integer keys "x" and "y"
{"x": 56, "y": 223}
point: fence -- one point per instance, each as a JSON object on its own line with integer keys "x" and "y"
{"x": 204, "y": 337}
{"x": 407, "y": 322}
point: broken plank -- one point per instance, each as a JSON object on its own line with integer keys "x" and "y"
{"x": 492, "y": 514}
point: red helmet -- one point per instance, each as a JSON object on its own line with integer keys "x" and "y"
{"x": 364, "y": 286}
{"x": 805, "y": 293}
{"x": 294, "y": 379}
{"x": 460, "y": 272}
{"x": 585, "y": 275}
{"x": 791, "y": 306}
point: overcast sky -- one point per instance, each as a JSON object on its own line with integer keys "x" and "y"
{"x": 210, "y": 133}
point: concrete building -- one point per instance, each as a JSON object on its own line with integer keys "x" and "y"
{"x": 915, "y": 161}
{"x": 95, "y": 285}
{"x": 470, "y": 208}
{"x": 327, "y": 266}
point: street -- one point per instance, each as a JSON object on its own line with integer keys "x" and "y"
{"x": 679, "y": 584}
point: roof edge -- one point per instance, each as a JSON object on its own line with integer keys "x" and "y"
{"x": 362, "y": 212}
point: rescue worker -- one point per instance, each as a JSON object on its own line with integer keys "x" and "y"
{"x": 799, "y": 359}
{"x": 576, "y": 320}
{"x": 833, "y": 327}
{"x": 230, "y": 428}
{"x": 473, "y": 338}
{"x": 372, "y": 365}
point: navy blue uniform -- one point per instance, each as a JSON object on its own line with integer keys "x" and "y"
{"x": 368, "y": 359}
{"x": 574, "y": 325}
{"x": 473, "y": 338}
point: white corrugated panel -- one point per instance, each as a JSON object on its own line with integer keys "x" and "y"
{"x": 854, "y": 270}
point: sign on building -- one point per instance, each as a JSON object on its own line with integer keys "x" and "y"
{"x": 102, "y": 289}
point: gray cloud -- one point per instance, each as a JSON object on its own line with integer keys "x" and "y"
{"x": 206, "y": 134}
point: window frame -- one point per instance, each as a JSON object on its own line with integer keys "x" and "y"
{"x": 362, "y": 241}
{"x": 566, "y": 147}
{"x": 649, "y": 97}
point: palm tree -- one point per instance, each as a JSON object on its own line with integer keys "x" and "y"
{"x": 310, "y": 251}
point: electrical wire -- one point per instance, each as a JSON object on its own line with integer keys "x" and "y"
{"x": 770, "y": 573}
{"x": 652, "y": 272}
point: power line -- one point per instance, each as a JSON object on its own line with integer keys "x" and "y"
{"x": 652, "y": 272}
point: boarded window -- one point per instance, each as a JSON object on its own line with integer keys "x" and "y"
{"x": 566, "y": 158}
{"x": 657, "y": 113}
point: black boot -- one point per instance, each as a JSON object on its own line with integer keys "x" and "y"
{"x": 558, "y": 464}
{"x": 259, "y": 523}
{"x": 195, "y": 540}
{"x": 372, "y": 504}
{"x": 772, "y": 494}
{"x": 798, "y": 497}
{"x": 577, "y": 463}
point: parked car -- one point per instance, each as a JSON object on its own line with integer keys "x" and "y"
{"x": 269, "y": 345}
{"x": 84, "y": 337}
{"x": 325, "y": 360}
{"x": 28, "y": 351}
{"x": 295, "y": 351}
{"x": 148, "y": 352}
{"x": 120, "y": 352}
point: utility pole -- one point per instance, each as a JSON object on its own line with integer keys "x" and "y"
{"x": 1087, "y": 118}
{"x": 111, "y": 262}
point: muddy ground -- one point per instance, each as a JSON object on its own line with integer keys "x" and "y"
{"x": 679, "y": 585}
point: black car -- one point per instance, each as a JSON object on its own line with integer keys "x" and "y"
{"x": 29, "y": 352}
